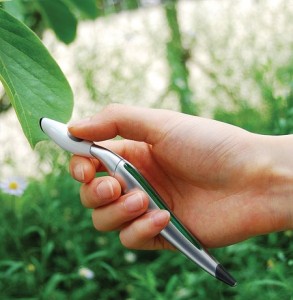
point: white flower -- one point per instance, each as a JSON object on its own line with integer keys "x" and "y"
{"x": 182, "y": 293}
{"x": 130, "y": 257}
{"x": 31, "y": 268}
{"x": 86, "y": 273}
{"x": 102, "y": 241}
{"x": 13, "y": 186}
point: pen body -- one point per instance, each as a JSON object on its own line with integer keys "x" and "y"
{"x": 175, "y": 233}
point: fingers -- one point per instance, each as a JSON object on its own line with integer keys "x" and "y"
{"x": 82, "y": 169}
{"x": 116, "y": 214}
{"x": 111, "y": 210}
{"x": 129, "y": 213}
{"x": 143, "y": 233}
{"x": 139, "y": 228}
{"x": 100, "y": 191}
{"x": 140, "y": 124}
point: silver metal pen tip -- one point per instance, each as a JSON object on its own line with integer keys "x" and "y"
{"x": 224, "y": 276}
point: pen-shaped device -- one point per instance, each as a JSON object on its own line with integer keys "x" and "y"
{"x": 130, "y": 178}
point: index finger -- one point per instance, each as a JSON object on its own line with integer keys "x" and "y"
{"x": 130, "y": 122}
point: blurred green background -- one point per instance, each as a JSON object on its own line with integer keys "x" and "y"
{"x": 228, "y": 60}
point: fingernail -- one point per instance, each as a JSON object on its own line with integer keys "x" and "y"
{"x": 78, "y": 123}
{"x": 161, "y": 217}
{"x": 105, "y": 190}
{"x": 78, "y": 172}
{"x": 134, "y": 202}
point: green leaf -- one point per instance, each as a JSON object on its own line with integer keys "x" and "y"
{"x": 11, "y": 266}
{"x": 15, "y": 8}
{"x": 60, "y": 18}
{"x": 131, "y": 4}
{"x": 85, "y": 8}
{"x": 33, "y": 81}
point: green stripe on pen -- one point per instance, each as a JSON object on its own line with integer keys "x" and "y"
{"x": 160, "y": 203}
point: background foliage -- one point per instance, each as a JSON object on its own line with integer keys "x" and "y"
{"x": 49, "y": 236}
{"x": 33, "y": 81}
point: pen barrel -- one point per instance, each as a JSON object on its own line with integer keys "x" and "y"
{"x": 175, "y": 233}
{"x": 109, "y": 159}
{"x": 199, "y": 256}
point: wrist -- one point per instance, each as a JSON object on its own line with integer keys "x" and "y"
{"x": 277, "y": 178}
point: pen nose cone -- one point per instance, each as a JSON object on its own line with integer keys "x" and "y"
{"x": 58, "y": 132}
{"x": 46, "y": 124}
{"x": 224, "y": 276}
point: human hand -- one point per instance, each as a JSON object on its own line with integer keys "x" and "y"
{"x": 224, "y": 183}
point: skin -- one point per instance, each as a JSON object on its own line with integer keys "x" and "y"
{"x": 225, "y": 184}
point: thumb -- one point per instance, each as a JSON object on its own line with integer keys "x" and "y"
{"x": 130, "y": 122}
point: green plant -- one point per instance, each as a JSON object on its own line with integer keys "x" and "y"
{"x": 33, "y": 81}
{"x": 275, "y": 117}
{"x": 177, "y": 57}
{"x": 62, "y": 16}
{"x": 51, "y": 248}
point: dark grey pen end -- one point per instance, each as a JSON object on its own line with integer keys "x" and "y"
{"x": 40, "y": 123}
{"x": 224, "y": 276}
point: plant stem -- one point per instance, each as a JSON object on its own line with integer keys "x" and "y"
{"x": 177, "y": 57}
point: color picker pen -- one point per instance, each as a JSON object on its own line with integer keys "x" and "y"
{"x": 130, "y": 178}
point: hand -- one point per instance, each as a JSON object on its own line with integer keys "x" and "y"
{"x": 225, "y": 184}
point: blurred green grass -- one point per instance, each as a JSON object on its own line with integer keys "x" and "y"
{"x": 47, "y": 236}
